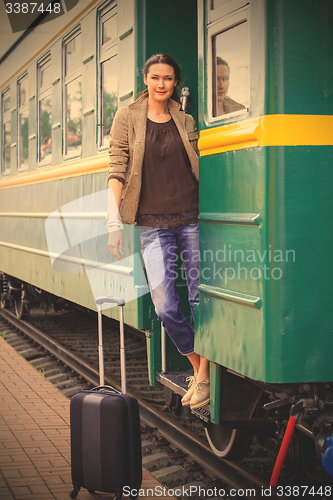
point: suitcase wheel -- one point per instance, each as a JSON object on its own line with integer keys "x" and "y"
{"x": 74, "y": 493}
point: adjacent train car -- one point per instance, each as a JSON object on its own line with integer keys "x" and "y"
{"x": 261, "y": 90}
{"x": 264, "y": 318}
{"x": 61, "y": 84}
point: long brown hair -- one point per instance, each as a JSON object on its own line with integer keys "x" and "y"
{"x": 164, "y": 59}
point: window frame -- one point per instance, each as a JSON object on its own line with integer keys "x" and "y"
{"x": 217, "y": 27}
{"x": 21, "y": 110}
{"x": 106, "y": 52}
{"x": 216, "y": 12}
{"x": 6, "y": 118}
{"x": 67, "y": 79}
{"x": 42, "y": 93}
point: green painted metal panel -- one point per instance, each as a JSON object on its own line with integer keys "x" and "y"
{"x": 284, "y": 260}
{"x": 299, "y": 57}
{"x": 300, "y": 315}
{"x": 231, "y": 334}
{"x": 177, "y": 36}
{"x": 215, "y": 391}
{"x": 272, "y": 204}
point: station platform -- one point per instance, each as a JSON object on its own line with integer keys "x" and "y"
{"x": 35, "y": 436}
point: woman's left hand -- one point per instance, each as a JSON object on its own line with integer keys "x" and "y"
{"x": 115, "y": 242}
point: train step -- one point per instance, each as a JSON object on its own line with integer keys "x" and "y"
{"x": 176, "y": 381}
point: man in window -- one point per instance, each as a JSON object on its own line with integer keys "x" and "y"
{"x": 224, "y": 103}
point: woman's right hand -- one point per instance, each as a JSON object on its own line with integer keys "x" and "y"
{"x": 115, "y": 242}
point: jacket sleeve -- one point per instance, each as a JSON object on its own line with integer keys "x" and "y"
{"x": 119, "y": 148}
{"x": 192, "y": 132}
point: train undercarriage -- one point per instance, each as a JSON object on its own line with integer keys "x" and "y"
{"x": 23, "y": 296}
{"x": 249, "y": 408}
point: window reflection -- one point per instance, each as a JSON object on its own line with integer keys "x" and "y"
{"x": 231, "y": 89}
{"x": 110, "y": 97}
{"x": 24, "y": 138}
{"x": 107, "y": 72}
{"x": 6, "y": 142}
{"x": 23, "y": 92}
{"x": 45, "y": 75}
{"x": 6, "y": 102}
{"x": 45, "y": 120}
{"x": 73, "y": 55}
{"x": 23, "y": 124}
{"x": 109, "y": 30}
{"x": 74, "y": 117}
{"x": 73, "y": 95}
{"x": 6, "y": 132}
{"x": 45, "y": 111}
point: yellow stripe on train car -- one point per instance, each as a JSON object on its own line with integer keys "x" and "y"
{"x": 269, "y": 130}
{"x": 83, "y": 166}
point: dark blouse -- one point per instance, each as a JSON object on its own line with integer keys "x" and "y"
{"x": 169, "y": 193}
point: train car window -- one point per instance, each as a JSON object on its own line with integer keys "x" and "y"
{"x": 109, "y": 28}
{"x": 108, "y": 67}
{"x": 73, "y": 95}
{"x": 110, "y": 99}
{"x": 216, "y": 4}
{"x": 73, "y": 55}
{"x": 6, "y": 132}
{"x": 44, "y": 111}
{"x": 23, "y": 123}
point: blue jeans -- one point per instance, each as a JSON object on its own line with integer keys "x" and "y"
{"x": 159, "y": 255}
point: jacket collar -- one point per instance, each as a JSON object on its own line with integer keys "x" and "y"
{"x": 139, "y": 110}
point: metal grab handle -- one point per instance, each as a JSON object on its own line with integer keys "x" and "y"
{"x": 184, "y": 95}
{"x": 163, "y": 349}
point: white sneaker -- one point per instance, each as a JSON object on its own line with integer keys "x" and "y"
{"x": 192, "y": 385}
{"x": 201, "y": 395}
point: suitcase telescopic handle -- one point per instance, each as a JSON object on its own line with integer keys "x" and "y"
{"x": 120, "y": 302}
{"x": 111, "y": 300}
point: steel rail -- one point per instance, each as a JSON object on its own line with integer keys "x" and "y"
{"x": 233, "y": 474}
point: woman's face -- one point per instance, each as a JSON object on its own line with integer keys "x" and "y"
{"x": 160, "y": 81}
{"x": 222, "y": 81}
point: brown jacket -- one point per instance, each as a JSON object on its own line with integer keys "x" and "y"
{"x": 127, "y": 149}
{"x": 229, "y": 105}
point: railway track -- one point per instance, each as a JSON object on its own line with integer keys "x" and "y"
{"x": 63, "y": 346}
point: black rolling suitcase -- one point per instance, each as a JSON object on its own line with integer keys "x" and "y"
{"x": 105, "y": 430}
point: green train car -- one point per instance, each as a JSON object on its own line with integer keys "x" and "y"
{"x": 261, "y": 89}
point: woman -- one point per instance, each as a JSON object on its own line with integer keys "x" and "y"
{"x": 153, "y": 178}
